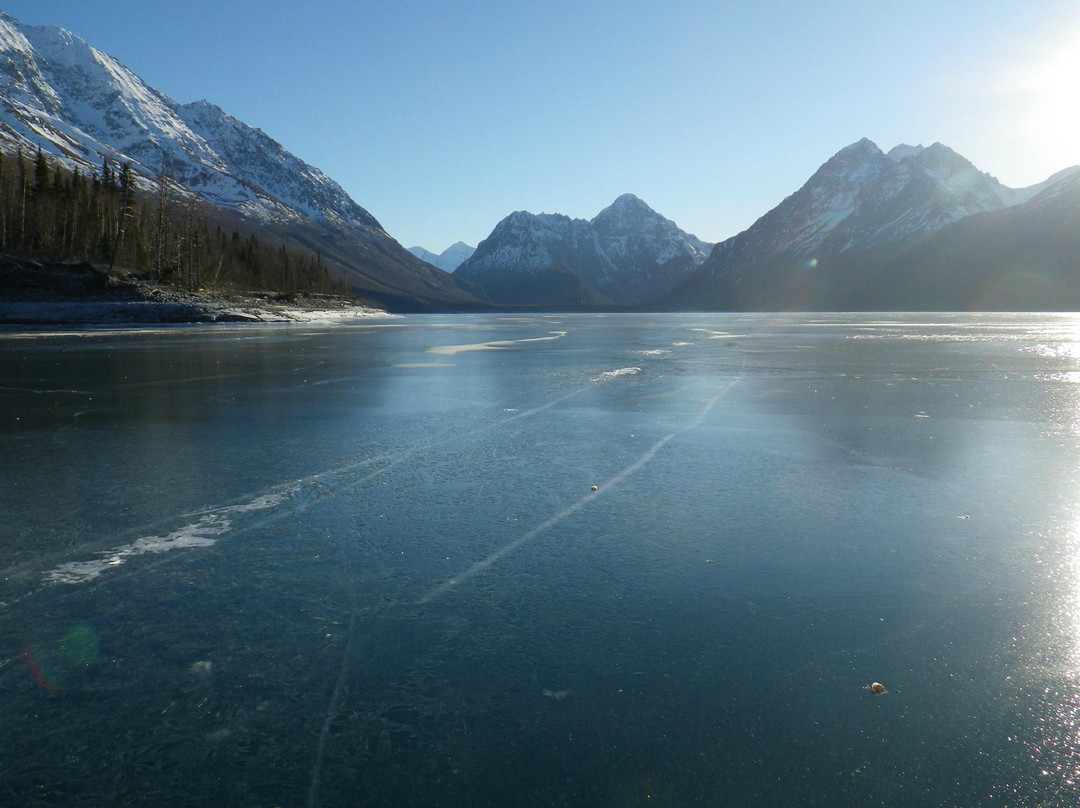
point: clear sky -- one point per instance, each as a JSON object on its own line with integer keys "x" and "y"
{"x": 441, "y": 118}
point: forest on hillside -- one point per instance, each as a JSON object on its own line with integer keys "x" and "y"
{"x": 50, "y": 213}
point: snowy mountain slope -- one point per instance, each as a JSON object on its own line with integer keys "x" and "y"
{"x": 449, "y": 259}
{"x": 647, "y": 255}
{"x": 861, "y": 206}
{"x": 81, "y": 105}
{"x": 628, "y": 254}
{"x": 864, "y": 197}
{"x": 60, "y": 92}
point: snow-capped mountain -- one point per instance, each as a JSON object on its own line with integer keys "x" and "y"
{"x": 536, "y": 259}
{"x": 860, "y": 208}
{"x": 449, "y": 259}
{"x": 645, "y": 255}
{"x": 82, "y": 106}
{"x": 627, "y": 255}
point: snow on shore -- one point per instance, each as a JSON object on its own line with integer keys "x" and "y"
{"x": 179, "y": 308}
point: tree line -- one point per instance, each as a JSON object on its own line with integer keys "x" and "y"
{"x": 52, "y": 213}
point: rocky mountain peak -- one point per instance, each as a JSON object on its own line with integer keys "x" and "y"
{"x": 626, "y": 212}
{"x": 942, "y": 162}
{"x": 628, "y": 253}
{"x": 863, "y": 147}
{"x": 903, "y": 151}
{"x": 854, "y": 165}
{"x": 628, "y": 204}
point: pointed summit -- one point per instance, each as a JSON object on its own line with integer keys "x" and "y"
{"x": 625, "y": 212}
{"x": 629, "y": 202}
{"x": 864, "y": 146}
{"x": 859, "y": 161}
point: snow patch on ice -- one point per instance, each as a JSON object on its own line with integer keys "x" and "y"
{"x": 202, "y": 533}
{"x": 495, "y": 345}
{"x": 608, "y": 375}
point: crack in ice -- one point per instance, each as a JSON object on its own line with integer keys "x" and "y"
{"x": 570, "y": 510}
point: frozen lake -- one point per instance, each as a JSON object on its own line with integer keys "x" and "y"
{"x": 366, "y": 564}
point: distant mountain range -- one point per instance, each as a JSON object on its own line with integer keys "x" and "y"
{"x": 627, "y": 255}
{"x": 917, "y": 228}
{"x": 82, "y": 106}
{"x": 914, "y": 228}
{"x": 449, "y": 259}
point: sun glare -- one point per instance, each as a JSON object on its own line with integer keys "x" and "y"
{"x": 1049, "y": 115}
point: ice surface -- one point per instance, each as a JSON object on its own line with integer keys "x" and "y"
{"x": 320, "y": 571}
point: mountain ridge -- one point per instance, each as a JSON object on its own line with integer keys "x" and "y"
{"x": 627, "y": 254}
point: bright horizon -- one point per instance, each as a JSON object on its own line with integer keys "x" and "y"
{"x": 442, "y": 120}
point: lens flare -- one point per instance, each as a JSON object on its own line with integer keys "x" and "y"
{"x": 56, "y": 658}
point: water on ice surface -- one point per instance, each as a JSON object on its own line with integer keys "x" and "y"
{"x": 311, "y": 566}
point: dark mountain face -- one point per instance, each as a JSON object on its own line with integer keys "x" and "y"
{"x": 820, "y": 247}
{"x": 646, "y": 255}
{"x": 82, "y": 106}
{"x": 627, "y": 255}
{"x": 1024, "y": 257}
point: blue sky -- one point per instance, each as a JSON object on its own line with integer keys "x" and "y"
{"x": 442, "y": 118}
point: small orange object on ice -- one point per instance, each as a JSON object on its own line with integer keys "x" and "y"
{"x": 877, "y": 688}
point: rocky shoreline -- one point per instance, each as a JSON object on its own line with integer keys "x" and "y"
{"x": 41, "y": 294}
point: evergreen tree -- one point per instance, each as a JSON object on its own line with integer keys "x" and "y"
{"x": 126, "y": 194}
{"x": 41, "y": 174}
{"x": 108, "y": 178}
{"x": 47, "y": 211}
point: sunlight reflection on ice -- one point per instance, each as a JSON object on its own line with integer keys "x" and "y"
{"x": 1055, "y": 747}
{"x": 1064, "y": 349}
